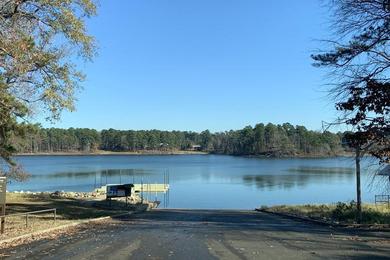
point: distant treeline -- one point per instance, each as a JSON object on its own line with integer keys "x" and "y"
{"x": 270, "y": 140}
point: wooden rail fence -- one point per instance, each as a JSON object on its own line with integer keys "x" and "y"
{"x": 26, "y": 215}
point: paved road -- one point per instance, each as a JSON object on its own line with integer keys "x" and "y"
{"x": 202, "y": 234}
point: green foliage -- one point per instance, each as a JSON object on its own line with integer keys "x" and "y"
{"x": 38, "y": 41}
{"x": 58, "y": 140}
{"x": 359, "y": 59}
{"x": 276, "y": 140}
{"x": 269, "y": 140}
{"x": 346, "y": 212}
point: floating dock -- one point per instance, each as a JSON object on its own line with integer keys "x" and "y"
{"x": 145, "y": 187}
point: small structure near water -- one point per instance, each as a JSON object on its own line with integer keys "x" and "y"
{"x": 385, "y": 171}
{"x": 143, "y": 190}
{"x": 118, "y": 191}
{"x": 386, "y": 197}
{"x": 196, "y": 147}
{"x": 137, "y": 188}
{"x": 141, "y": 187}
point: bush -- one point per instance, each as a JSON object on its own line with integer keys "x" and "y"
{"x": 344, "y": 211}
{"x": 347, "y": 212}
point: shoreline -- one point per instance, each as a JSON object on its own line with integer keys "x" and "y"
{"x": 100, "y": 152}
{"x": 180, "y": 152}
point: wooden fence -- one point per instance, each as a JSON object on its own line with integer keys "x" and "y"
{"x": 26, "y": 216}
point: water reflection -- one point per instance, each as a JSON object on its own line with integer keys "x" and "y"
{"x": 98, "y": 173}
{"x": 203, "y": 181}
{"x": 322, "y": 170}
{"x": 304, "y": 176}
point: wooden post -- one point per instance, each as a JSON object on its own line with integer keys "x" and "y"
{"x": 358, "y": 189}
{"x": 2, "y": 218}
{"x": 155, "y": 198}
{"x": 3, "y": 193}
{"x": 142, "y": 191}
{"x": 55, "y": 216}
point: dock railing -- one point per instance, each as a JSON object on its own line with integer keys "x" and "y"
{"x": 382, "y": 199}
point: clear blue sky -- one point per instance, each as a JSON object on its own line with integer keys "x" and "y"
{"x": 203, "y": 64}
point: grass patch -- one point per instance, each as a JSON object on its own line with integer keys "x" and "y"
{"x": 340, "y": 212}
{"x": 69, "y": 210}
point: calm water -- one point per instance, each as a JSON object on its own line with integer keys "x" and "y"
{"x": 204, "y": 181}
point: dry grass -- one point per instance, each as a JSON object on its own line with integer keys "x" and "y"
{"x": 339, "y": 212}
{"x": 68, "y": 211}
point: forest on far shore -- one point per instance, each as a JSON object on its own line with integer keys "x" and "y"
{"x": 269, "y": 140}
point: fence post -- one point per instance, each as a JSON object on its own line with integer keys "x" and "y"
{"x": 2, "y": 224}
{"x": 388, "y": 200}
{"x": 55, "y": 216}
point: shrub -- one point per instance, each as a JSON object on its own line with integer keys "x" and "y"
{"x": 344, "y": 211}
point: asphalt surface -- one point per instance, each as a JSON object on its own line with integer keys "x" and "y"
{"x": 208, "y": 234}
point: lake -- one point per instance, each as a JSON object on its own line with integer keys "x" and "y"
{"x": 205, "y": 181}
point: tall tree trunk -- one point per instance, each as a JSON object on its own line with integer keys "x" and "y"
{"x": 358, "y": 190}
